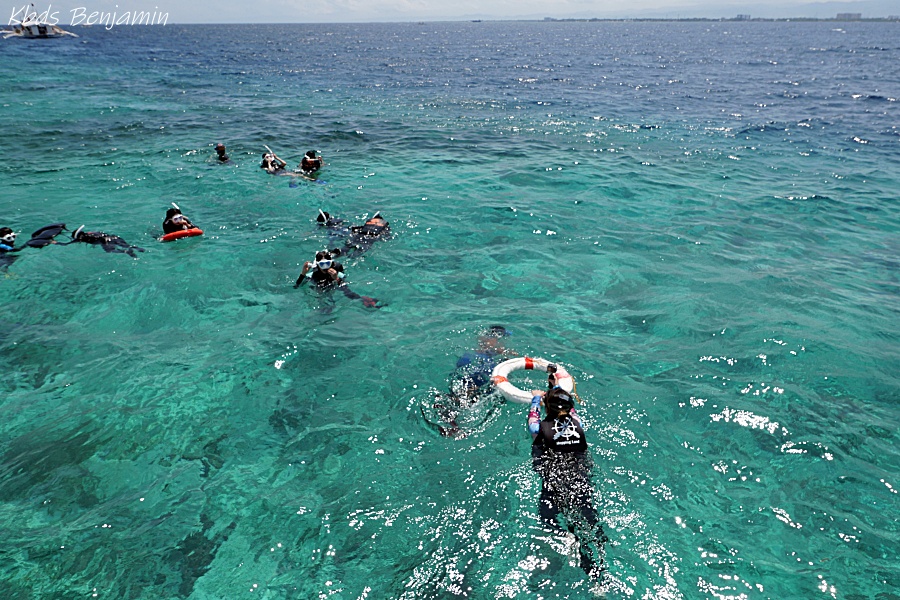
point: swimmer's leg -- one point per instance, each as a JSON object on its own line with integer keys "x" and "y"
{"x": 590, "y": 542}
{"x": 548, "y": 510}
{"x": 366, "y": 300}
{"x": 114, "y": 247}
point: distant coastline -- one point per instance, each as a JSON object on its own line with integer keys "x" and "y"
{"x": 890, "y": 19}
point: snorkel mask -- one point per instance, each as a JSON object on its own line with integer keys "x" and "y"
{"x": 9, "y": 239}
{"x": 324, "y": 261}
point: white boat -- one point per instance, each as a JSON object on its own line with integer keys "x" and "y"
{"x": 35, "y": 30}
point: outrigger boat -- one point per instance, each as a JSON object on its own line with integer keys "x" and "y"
{"x": 35, "y": 30}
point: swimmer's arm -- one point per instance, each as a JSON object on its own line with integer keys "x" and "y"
{"x": 303, "y": 273}
{"x": 534, "y": 414}
{"x": 575, "y": 417}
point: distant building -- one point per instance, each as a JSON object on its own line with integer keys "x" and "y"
{"x": 848, "y": 17}
{"x": 742, "y": 18}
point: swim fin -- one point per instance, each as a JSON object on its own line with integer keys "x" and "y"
{"x": 44, "y": 236}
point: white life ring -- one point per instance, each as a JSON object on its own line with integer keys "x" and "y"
{"x": 514, "y": 394}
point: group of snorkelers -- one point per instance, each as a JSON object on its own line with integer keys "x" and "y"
{"x": 324, "y": 272}
{"x": 275, "y": 165}
{"x": 559, "y": 448}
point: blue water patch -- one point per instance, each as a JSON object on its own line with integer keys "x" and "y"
{"x": 699, "y": 220}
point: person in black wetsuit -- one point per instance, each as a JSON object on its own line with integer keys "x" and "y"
{"x": 310, "y": 163}
{"x": 220, "y": 153}
{"x": 175, "y": 221}
{"x": 559, "y": 454}
{"x": 272, "y": 164}
{"x": 469, "y": 382}
{"x": 110, "y": 243}
{"x": 357, "y": 238}
{"x": 7, "y": 247}
{"x": 329, "y": 274}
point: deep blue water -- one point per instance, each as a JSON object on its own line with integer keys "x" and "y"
{"x": 700, "y": 220}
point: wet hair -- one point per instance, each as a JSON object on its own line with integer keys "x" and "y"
{"x": 497, "y": 331}
{"x": 323, "y": 255}
{"x": 559, "y": 400}
{"x": 5, "y": 231}
{"x": 311, "y": 153}
{"x": 172, "y": 212}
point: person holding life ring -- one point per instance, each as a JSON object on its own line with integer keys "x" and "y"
{"x": 559, "y": 454}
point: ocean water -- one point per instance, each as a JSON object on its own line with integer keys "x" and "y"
{"x": 700, "y": 220}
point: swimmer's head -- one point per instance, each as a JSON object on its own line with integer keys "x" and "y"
{"x": 311, "y": 154}
{"x": 172, "y": 212}
{"x": 323, "y": 216}
{"x": 77, "y": 233}
{"x": 7, "y": 236}
{"x": 490, "y": 340}
{"x": 558, "y": 400}
{"x": 378, "y": 220}
{"x": 220, "y": 147}
{"x": 324, "y": 260}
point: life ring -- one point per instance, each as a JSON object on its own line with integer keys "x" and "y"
{"x": 177, "y": 235}
{"x": 514, "y": 394}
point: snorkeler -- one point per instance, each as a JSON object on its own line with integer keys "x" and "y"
{"x": 357, "y": 238}
{"x": 220, "y": 153}
{"x": 175, "y": 221}
{"x": 110, "y": 243}
{"x": 272, "y": 164}
{"x": 469, "y": 383}
{"x": 7, "y": 247}
{"x": 311, "y": 163}
{"x": 7, "y": 240}
{"x": 559, "y": 454}
{"x": 329, "y": 274}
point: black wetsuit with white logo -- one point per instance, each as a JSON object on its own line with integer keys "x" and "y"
{"x": 559, "y": 454}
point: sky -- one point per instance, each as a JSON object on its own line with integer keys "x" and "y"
{"x": 68, "y": 12}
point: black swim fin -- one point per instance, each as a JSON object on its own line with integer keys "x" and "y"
{"x": 44, "y": 236}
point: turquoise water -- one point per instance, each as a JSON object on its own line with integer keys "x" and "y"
{"x": 698, "y": 219}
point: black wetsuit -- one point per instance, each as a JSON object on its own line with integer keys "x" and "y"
{"x": 560, "y": 456}
{"x": 110, "y": 243}
{"x": 7, "y": 255}
{"x": 323, "y": 281}
{"x": 323, "y": 278}
{"x": 363, "y": 236}
{"x": 357, "y": 239}
{"x": 311, "y": 165}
